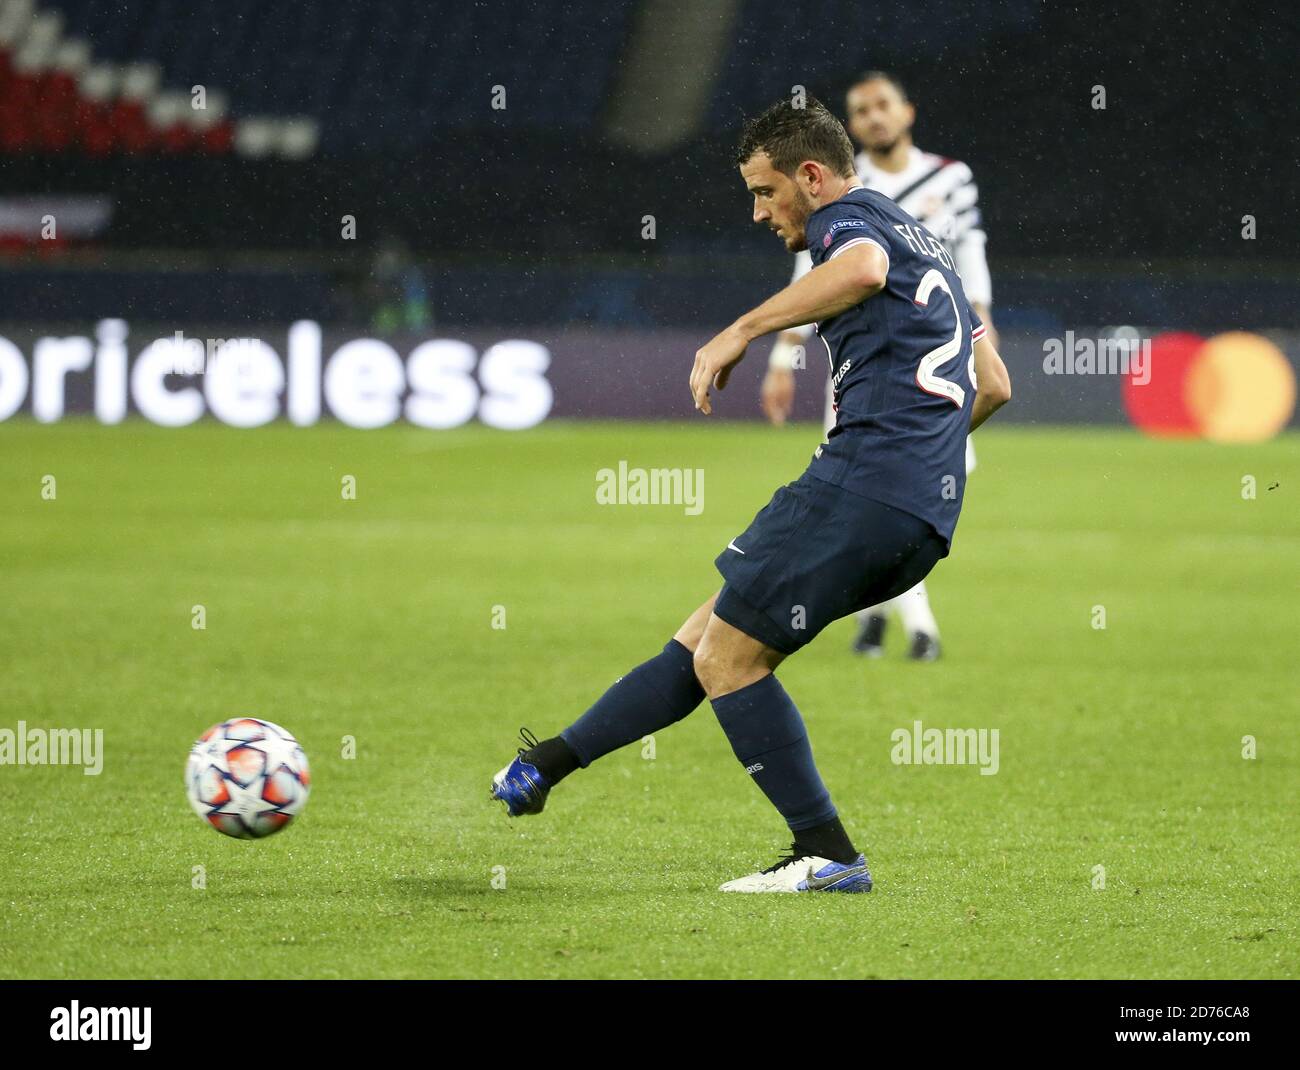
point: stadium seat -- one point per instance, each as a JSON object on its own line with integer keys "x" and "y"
{"x": 102, "y": 78}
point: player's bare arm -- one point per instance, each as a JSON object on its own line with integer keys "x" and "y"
{"x": 985, "y": 313}
{"x": 993, "y": 384}
{"x": 834, "y": 287}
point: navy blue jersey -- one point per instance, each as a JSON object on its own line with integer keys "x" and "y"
{"x": 902, "y": 365}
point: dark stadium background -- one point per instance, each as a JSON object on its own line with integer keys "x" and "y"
{"x": 532, "y": 215}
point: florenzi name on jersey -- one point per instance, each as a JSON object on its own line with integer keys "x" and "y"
{"x": 927, "y": 245}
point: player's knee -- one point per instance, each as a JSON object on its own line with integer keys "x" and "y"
{"x": 710, "y": 669}
{"x": 718, "y": 671}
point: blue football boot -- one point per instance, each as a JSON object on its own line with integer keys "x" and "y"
{"x": 520, "y": 785}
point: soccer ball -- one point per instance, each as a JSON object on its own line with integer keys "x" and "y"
{"x": 247, "y": 778}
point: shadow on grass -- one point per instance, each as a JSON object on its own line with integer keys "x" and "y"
{"x": 479, "y": 890}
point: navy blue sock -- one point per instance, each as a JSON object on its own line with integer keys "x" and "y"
{"x": 768, "y": 736}
{"x": 652, "y": 696}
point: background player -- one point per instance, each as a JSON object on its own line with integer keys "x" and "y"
{"x": 941, "y": 194}
{"x": 872, "y": 514}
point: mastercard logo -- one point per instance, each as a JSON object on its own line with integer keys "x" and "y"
{"x": 1233, "y": 387}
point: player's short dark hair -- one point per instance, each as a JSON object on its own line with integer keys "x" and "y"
{"x": 882, "y": 76}
{"x": 789, "y": 135}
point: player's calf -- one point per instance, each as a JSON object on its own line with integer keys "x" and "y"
{"x": 657, "y": 693}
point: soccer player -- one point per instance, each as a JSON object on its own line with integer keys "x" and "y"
{"x": 871, "y": 515}
{"x": 941, "y": 194}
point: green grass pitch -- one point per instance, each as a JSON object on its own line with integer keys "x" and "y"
{"x": 1120, "y": 747}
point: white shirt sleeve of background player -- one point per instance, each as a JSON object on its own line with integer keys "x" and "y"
{"x": 973, "y": 267}
{"x": 802, "y": 265}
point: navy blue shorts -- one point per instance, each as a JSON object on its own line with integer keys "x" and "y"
{"x": 815, "y": 553}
